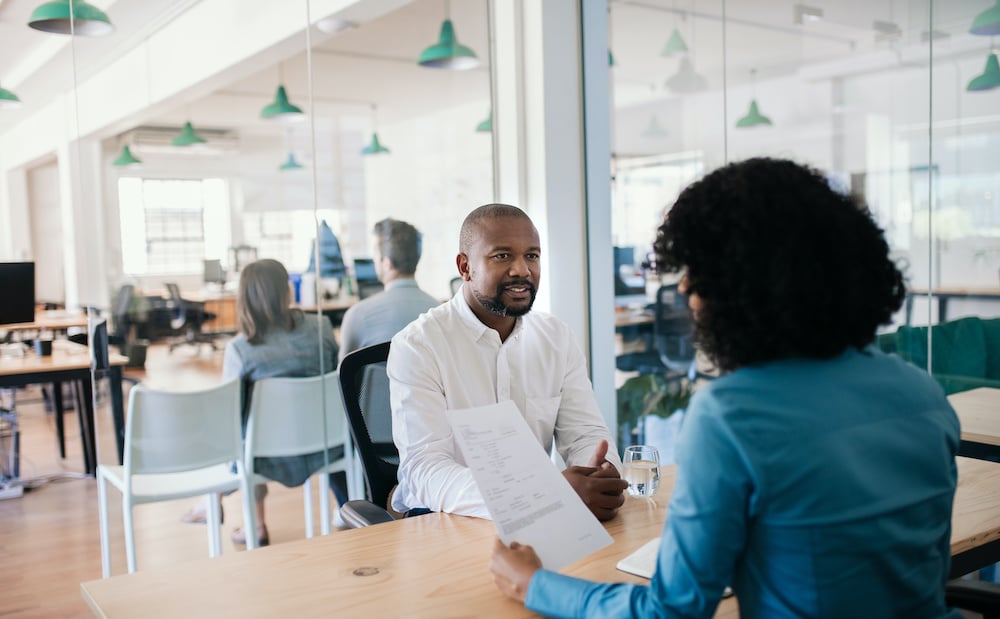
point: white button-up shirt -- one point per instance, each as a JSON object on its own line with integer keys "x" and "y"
{"x": 447, "y": 359}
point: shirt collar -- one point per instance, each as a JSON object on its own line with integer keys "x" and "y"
{"x": 402, "y": 282}
{"x": 472, "y": 321}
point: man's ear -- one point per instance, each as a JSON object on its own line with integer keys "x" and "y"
{"x": 462, "y": 262}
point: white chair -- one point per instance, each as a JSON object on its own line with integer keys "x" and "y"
{"x": 176, "y": 445}
{"x": 287, "y": 419}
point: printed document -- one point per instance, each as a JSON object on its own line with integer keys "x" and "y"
{"x": 528, "y": 498}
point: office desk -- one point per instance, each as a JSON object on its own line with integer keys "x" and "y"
{"x": 943, "y": 295}
{"x": 333, "y": 309}
{"x": 431, "y": 566}
{"x": 437, "y": 565}
{"x": 979, "y": 414}
{"x": 71, "y": 362}
{"x": 51, "y": 320}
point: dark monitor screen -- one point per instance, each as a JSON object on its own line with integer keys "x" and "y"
{"x": 214, "y": 274}
{"x": 364, "y": 270}
{"x": 17, "y": 285}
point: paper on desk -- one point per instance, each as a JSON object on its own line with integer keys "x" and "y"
{"x": 529, "y": 500}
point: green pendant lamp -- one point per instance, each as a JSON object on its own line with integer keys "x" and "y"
{"x": 989, "y": 79}
{"x": 988, "y": 22}
{"x": 8, "y": 100}
{"x": 281, "y": 108}
{"x": 83, "y": 19}
{"x": 448, "y": 53}
{"x": 290, "y": 163}
{"x": 127, "y": 160}
{"x": 375, "y": 147}
{"x": 675, "y": 45}
{"x": 486, "y": 126}
{"x": 187, "y": 136}
{"x": 753, "y": 117}
{"x": 686, "y": 79}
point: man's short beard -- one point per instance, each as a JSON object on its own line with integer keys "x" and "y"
{"x": 498, "y": 307}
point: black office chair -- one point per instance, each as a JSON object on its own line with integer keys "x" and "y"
{"x": 365, "y": 387}
{"x": 187, "y": 318}
{"x": 975, "y": 596}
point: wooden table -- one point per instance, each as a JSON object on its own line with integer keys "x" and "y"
{"x": 979, "y": 414}
{"x": 51, "y": 320}
{"x": 943, "y": 295}
{"x": 70, "y": 362}
{"x": 431, "y": 566}
{"x": 437, "y": 565}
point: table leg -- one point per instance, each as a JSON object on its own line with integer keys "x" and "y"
{"x": 57, "y": 407}
{"x": 117, "y": 409}
{"x": 85, "y": 406}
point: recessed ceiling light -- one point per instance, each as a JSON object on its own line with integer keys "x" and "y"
{"x": 332, "y": 25}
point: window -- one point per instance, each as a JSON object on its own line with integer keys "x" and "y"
{"x": 170, "y": 226}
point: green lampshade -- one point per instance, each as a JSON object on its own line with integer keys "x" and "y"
{"x": 753, "y": 118}
{"x": 126, "y": 159}
{"x": 375, "y": 147}
{"x": 281, "y": 108}
{"x": 487, "y": 125}
{"x": 187, "y": 137}
{"x": 988, "y": 22}
{"x": 990, "y": 77}
{"x": 291, "y": 163}
{"x": 448, "y": 53}
{"x": 8, "y": 99}
{"x": 611, "y": 59}
{"x": 675, "y": 45}
{"x": 87, "y": 20}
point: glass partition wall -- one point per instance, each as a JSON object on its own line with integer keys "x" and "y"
{"x": 888, "y": 98}
{"x": 201, "y": 137}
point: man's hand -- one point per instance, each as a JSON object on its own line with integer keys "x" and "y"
{"x": 513, "y": 568}
{"x": 598, "y": 484}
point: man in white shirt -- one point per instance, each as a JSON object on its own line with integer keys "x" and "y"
{"x": 484, "y": 347}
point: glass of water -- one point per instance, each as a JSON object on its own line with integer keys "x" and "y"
{"x": 642, "y": 470}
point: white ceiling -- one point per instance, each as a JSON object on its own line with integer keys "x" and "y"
{"x": 375, "y": 62}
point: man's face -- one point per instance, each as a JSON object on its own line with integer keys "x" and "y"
{"x": 503, "y": 266}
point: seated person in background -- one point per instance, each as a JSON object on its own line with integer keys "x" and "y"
{"x": 274, "y": 340}
{"x": 380, "y": 316}
{"x": 816, "y": 476}
{"x": 483, "y": 347}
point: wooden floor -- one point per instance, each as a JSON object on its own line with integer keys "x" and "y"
{"x": 49, "y": 538}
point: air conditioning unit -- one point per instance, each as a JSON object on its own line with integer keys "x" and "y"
{"x": 159, "y": 140}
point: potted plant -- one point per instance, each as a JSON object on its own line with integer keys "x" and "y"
{"x": 660, "y": 395}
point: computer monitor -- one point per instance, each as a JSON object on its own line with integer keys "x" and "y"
{"x": 364, "y": 270}
{"x": 214, "y": 273}
{"x": 17, "y": 284}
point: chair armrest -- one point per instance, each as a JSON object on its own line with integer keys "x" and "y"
{"x": 974, "y": 595}
{"x": 358, "y": 513}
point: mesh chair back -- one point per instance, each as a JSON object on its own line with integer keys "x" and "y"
{"x": 673, "y": 329}
{"x": 286, "y": 416}
{"x": 168, "y": 432}
{"x": 366, "y": 400}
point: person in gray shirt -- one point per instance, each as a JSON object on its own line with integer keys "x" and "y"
{"x": 381, "y": 316}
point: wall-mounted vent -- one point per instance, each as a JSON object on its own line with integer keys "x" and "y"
{"x": 158, "y": 140}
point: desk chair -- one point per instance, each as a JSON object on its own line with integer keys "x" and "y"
{"x": 176, "y": 445}
{"x": 187, "y": 318}
{"x": 366, "y": 399}
{"x": 296, "y": 417}
{"x": 975, "y": 596}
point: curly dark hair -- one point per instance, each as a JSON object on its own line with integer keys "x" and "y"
{"x": 785, "y": 266}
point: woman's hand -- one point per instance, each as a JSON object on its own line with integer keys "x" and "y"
{"x": 513, "y": 568}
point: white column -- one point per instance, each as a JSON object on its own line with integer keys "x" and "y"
{"x": 544, "y": 165}
{"x": 84, "y": 244}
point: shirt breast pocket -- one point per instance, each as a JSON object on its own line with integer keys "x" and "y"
{"x": 541, "y": 417}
